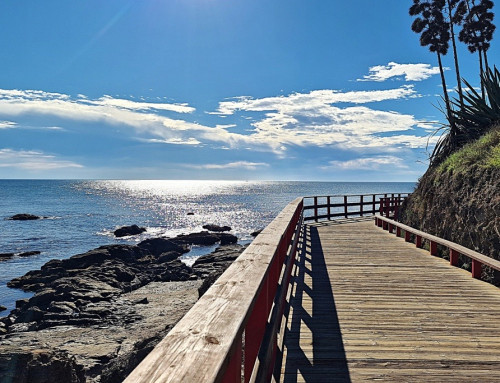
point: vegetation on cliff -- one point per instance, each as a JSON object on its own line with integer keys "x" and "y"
{"x": 459, "y": 199}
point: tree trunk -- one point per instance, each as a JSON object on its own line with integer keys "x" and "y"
{"x": 455, "y": 56}
{"x": 486, "y": 66}
{"x": 445, "y": 92}
{"x": 481, "y": 71}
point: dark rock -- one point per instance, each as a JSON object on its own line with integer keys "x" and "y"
{"x": 217, "y": 261}
{"x": 28, "y": 253}
{"x": 129, "y": 230}
{"x": 2, "y": 308}
{"x": 21, "y": 302}
{"x": 24, "y": 217}
{"x": 143, "y": 301}
{"x": 256, "y": 233}
{"x": 168, "y": 256}
{"x": 190, "y": 213}
{"x": 216, "y": 228}
{"x": 205, "y": 238}
{"x": 39, "y": 367}
{"x": 4, "y": 256}
{"x": 157, "y": 246}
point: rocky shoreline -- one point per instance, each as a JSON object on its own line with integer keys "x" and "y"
{"x": 95, "y": 315}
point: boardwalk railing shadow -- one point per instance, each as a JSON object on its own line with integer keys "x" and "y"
{"x": 313, "y": 349}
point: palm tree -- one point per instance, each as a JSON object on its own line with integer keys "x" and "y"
{"x": 435, "y": 33}
{"x": 477, "y": 31}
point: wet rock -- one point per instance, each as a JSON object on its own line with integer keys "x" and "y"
{"x": 157, "y": 246}
{"x": 216, "y": 228}
{"x": 4, "y": 256}
{"x": 2, "y": 308}
{"x": 129, "y": 230}
{"x": 205, "y": 238}
{"x": 28, "y": 253}
{"x": 190, "y": 213}
{"x": 24, "y": 217}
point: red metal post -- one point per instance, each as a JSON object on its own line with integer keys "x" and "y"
{"x": 391, "y": 228}
{"x": 433, "y": 247}
{"x": 476, "y": 269}
{"x": 418, "y": 241}
{"x": 254, "y": 330}
{"x": 398, "y": 231}
{"x": 407, "y": 236}
{"x": 233, "y": 372}
{"x": 454, "y": 257}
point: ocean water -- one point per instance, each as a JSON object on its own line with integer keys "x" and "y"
{"x": 82, "y": 215}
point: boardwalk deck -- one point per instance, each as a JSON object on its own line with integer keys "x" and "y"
{"x": 367, "y": 306}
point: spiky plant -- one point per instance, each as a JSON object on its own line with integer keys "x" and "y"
{"x": 472, "y": 120}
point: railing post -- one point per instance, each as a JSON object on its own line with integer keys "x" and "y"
{"x": 233, "y": 371}
{"x": 391, "y": 228}
{"x": 361, "y": 205}
{"x": 407, "y": 236}
{"x": 433, "y": 247}
{"x": 373, "y": 202}
{"x": 398, "y": 231}
{"x": 254, "y": 330}
{"x": 329, "y": 207}
{"x": 418, "y": 241}
{"x": 316, "y": 209}
{"x": 345, "y": 206}
{"x": 453, "y": 257}
{"x": 476, "y": 269}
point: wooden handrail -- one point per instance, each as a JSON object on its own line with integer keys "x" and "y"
{"x": 206, "y": 344}
{"x": 455, "y": 249}
{"x": 389, "y": 201}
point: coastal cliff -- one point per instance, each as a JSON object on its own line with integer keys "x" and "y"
{"x": 459, "y": 200}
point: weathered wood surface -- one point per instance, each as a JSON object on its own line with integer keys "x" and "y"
{"x": 368, "y": 306}
{"x": 198, "y": 349}
{"x": 451, "y": 245}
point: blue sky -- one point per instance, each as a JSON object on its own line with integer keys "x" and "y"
{"x": 217, "y": 89}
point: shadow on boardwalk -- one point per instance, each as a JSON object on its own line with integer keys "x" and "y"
{"x": 313, "y": 347}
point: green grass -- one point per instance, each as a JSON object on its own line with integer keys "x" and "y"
{"x": 484, "y": 152}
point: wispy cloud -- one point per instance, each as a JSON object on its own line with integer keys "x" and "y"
{"x": 410, "y": 72}
{"x": 231, "y": 165}
{"x": 32, "y": 160}
{"x": 7, "y": 125}
{"x": 368, "y": 163}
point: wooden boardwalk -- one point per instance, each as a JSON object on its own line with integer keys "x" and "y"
{"x": 367, "y": 306}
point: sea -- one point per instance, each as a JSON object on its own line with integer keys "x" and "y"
{"x": 83, "y": 214}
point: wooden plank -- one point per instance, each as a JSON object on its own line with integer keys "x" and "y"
{"x": 366, "y": 305}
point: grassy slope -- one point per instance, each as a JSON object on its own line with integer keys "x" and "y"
{"x": 459, "y": 199}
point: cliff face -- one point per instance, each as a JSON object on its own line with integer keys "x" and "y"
{"x": 459, "y": 200}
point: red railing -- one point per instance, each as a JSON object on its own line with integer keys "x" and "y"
{"x": 237, "y": 319}
{"x": 319, "y": 208}
{"x": 477, "y": 259}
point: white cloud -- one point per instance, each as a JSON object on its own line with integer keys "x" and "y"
{"x": 411, "y": 72}
{"x": 7, "y": 125}
{"x": 368, "y": 163}
{"x": 32, "y": 160}
{"x": 299, "y": 119}
{"x": 231, "y": 165}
